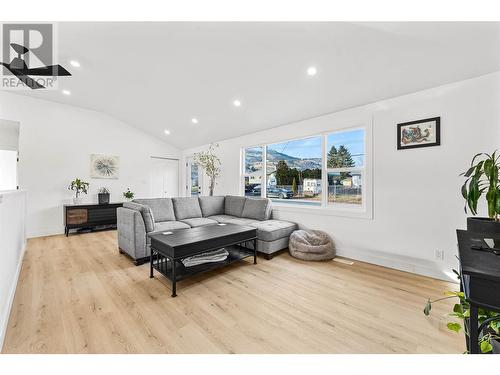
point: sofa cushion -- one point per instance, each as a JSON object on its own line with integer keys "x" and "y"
{"x": 257, "y": 208}
{"x": 222, "y": 218}
{"x": 163, "y": 209}
{"x": 212, "y": 205}
{"x": 147, "y": 214}
{"x": 241, "y": 221}
{"x": 199, "y": 222}
{"x": 234, "y": 205}
{"x": 186, "y": 208}
{"x": 271, "y": 230}
{"x": 170, "y": 225}
{"x": 269, "y": 247}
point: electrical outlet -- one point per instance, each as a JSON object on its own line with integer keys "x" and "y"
{"x": 439, "y": 254}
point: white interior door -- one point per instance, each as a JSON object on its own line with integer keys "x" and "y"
{"x": 164, "y": 177}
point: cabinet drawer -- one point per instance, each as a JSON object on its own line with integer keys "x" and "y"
{"x": 107, "y": 215}
{"x": 76, "y": 216}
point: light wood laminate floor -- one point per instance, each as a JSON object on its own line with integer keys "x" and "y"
{"x": 79, "y": 295}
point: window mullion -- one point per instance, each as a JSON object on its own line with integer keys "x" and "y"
{"x": 324, "y": 174}
{"x": 346, "y": 169}
{"x": 263, "y": 186}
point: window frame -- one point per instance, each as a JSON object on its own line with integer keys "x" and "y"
{"x": 189, "y": 159}
{"x": 360, "y": 170}
{"x": 365, "y": 210}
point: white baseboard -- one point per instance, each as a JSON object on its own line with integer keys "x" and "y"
{"x": 6, "y": 313}
{"x": 45, "y": 232}
{"x": 399, "y": 262}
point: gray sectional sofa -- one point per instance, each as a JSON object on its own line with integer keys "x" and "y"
{"x": 142, "y": 217}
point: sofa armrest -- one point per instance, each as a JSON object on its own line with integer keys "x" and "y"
{"x": 131, "y": 232}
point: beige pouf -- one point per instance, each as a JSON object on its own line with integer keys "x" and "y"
{"x": 311, "y": 245}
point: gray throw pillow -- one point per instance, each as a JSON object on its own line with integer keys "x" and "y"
{"x": 257, "y": 208}
{"x": 211, "y": 206}
{"x": 186, "y": 208}
{"x": 162, "y": 208}
{"x": 146, "y": 212}
{"x": 234, "y": 205}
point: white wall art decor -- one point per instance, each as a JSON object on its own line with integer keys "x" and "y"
{"x": 104, "y": 166}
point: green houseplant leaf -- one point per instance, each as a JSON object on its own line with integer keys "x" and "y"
{"x": 486, "y": 347}
{"x": 454, "y": 327}
{"x": 482, "y": 178}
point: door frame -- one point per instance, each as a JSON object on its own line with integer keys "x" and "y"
{"x": 187, "y": 169}
{"x": 178, "y": 172}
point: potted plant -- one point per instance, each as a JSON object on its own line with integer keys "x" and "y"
{"x": 103, "y": 195}
{"x": 128, "y": 195}
{"x": 482, "y": 179}
{"x": 210, "y": 164}
{"x": 78, "y": 186}
{"x": 489, "y": 339}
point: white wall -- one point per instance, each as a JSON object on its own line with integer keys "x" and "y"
{"x": 416, "y": 200}
{"x": 12, "y": 245}
{"x": 9, "y": 135}
{"x": 9, "y": 145}
{"x": 55, "y": 144}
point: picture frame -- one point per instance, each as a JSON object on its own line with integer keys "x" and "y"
{"x": 104, "y": 166}
{"x": 419, "y": 133}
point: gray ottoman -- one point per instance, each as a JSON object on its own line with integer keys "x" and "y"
{"x": 311, "y": 245}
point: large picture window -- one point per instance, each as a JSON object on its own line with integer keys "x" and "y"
{"x": 327, "y": 170}
{"x": 294, "y": 171}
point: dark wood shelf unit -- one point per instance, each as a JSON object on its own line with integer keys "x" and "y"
{"x": 89, "y": 215}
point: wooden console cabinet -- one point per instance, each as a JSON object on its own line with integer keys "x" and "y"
{"x": 78, "y": 216}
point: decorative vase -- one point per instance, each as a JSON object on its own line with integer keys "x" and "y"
{"x": 77, "y": 200}
{"x": 484, "y": 226}
{"x": 103, "y": 198}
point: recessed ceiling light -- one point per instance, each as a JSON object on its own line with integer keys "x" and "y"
{"x": 167, "y": 132}
{"x": 312, "y": 71}
{"x": 194, "y": 120}
{"x": 75, "y": 63}
{"x": 66, "y": 92}
{"x": 236, "y": 103}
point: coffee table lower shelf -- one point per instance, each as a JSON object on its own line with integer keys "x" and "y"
{"x": 164, "y": 264}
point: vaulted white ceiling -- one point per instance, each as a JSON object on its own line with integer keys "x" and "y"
{"x": 157, "y": 76}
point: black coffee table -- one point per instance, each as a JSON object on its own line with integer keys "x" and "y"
{"x": 170, "y": 247}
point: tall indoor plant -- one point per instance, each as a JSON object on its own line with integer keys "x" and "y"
{"x": 210, "y": 163}
{"x": 482, "y": 179}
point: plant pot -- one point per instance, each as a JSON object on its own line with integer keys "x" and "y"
{"x": 77, "y": 200}
{"x": 103, "y": 198}
{"x": 484, "y": 226}
{"x": 496, "y": 346}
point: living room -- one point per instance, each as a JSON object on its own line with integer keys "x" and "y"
{"x": 297, "y": 187}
